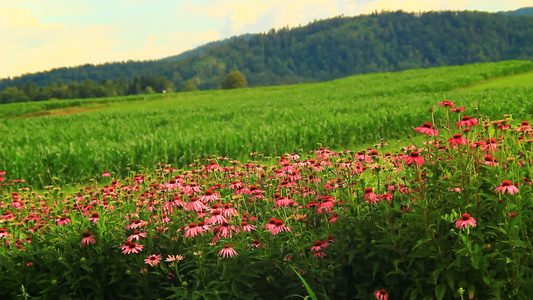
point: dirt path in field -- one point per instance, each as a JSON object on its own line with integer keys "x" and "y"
{"x": 59, "y": 112}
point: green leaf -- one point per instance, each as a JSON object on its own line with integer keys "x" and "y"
{"x": 436, "y": 274}
{"x": 307, "y": 287}
{"x": 440, "y": 290}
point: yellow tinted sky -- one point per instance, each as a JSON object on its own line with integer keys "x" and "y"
{"x": 37, "y": 35}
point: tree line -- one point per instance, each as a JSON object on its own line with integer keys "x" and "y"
{"x": 321, "y": 50}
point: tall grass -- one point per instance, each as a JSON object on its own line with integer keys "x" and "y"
{"x": 272, "y": 120}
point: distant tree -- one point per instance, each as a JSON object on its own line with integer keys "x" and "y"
{"x": 234, "y": 80}
{"x": 190, "y": 86}
{"x": 149, "y": 90}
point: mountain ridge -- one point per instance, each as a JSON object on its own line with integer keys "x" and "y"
{"x": 326, "y": 49}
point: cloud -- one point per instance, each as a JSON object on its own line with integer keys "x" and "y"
{"x": 27, "y": 45}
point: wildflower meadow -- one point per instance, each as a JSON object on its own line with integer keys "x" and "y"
{"x": 447, "y": 216}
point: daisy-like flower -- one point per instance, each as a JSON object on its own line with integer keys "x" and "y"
{"x": 490, "y": 161}
{"x": 153, "y": 260}
{"x": 381, "y": 294}
{"x": 137, "y": 235}
{"x": 427, "y": 128}
{"x": 209, "y": 196}
{"x": 271, "y": 224}
{"x": 3, "y": 233}
{"x": 508, "y": 187}
{"x": 136, "y": 223}
{"x": 88, "y": 238}
{"x": 370, "y": 196}
{"x": 247, "y": 227}
{"x": 467, "y": 122}
{"x": 94, "y": 217}
{"x": 216, "y": 218}
{"x": 319, "y": 254}
{"x": 279, "y": 227}
{"x": 172, "y": 258}
{"x": 282, "y": 201}
{"x": 131, "y": 247}
{"x": 457, "y": 139}
{"x": 465, "y": 221}
{"x": 193, "y": 230}
{"x": 446, "y": 103}
{"x": 227, "y": 251}
{"x": 62, "y": 220}
{"x": 414, "y": 158}
{"x": 524, "y": 127}
{"x": 229, "y": 211}
{"x": 195, "y": 205}
{"x": 106, "y": 174}
{"x": 224, "y": 230}
{"x": 490, "y": 144}
{"x": 318, "y": 245}
{"x": 458, "y": 109}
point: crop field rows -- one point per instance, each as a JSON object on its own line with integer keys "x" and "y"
{"x": 178, "y": 128}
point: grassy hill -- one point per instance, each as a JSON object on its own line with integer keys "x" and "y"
{"x": 119, "y": 133}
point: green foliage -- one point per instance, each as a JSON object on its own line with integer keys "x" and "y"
{"x": 190, "y": 86}
{"x": 234, "y": 80}
{"x": 338, "y": 241}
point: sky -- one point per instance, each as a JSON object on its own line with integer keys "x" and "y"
{"x": 38, "y": 35}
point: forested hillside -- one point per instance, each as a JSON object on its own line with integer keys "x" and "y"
{"x": 322, "y": 50}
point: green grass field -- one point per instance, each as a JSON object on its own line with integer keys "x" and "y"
{"x": 128, "y": 132}
{"x": 524, "y": 79}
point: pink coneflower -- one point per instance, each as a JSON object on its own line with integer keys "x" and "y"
{"x": 216, "y": 218}
{"x": 227, "y": 251}
{"x": 490, "y": 144}
{"x": 137, "y": 235}
{"x": 106, "y": 174}
{"x": 153, "y": 260}
{"x": 279, "y": 227}
{"x": 271, "y": 224}
{"x": 414, "y": 158}
{"x": 524, "y": 127}
{"x": 465, "y": 221}
{"x": 62, "y": 220}
{"x": 94, "y": 217}
{"x": 172, "y": 258}
{"x": 229, "y": 211}
{"x": 294, "y": 156}
{"x": 131, "y": 247}
{"x": 457, "y": 139}
{"x": 490, "y": 161}
{"x": 136, "y": 223}
{"x": 446, "y": 103}
{"x": 508, "y": 187}
{"x": 195, "y": 205}
{"x": 224, "y": 230}
{"x": 318, "y": 245}
{"x": 319, "y": 254}
{"x": 193, "y": 230}
{"x": 209, "y": 196}
{"x": 458, "y": 109}
{"x": 236, "y": 185}
{"x": 88, "y": 238}
{"x": 381, "y": 294}
{"x": 3, "y": 233}
{"x": 247, "y": 227}
{"x": 427, "y": 128}
{"x": 282, "y": 201}
{"x": 467, "y": 122}
{"x": 370, "y": 196}
{"x": 255, "y": 244}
